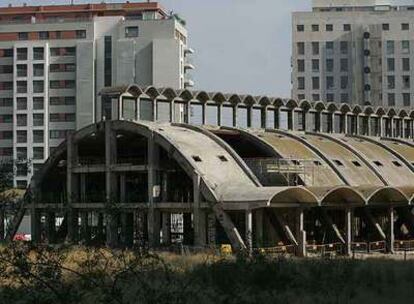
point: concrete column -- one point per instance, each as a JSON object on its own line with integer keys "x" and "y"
{"x": 403, "y": 127}
{"x": 235, "y": 116}
{"x": 166, "y": 228}
{"x": 85, "y": 229}
{"x": 71, "y": 189}
{"x": 198, "y": 213}
{"x": 2, "y": 226}
{"x": 392, "y": 126}
{"x": 51, "y": 227}
{"x": 140, "y": 228}
{"x": 82, "y": 177}
{"x": 345, "y": 123}
{"x": 211, "y": 230}
{"x": 263, "y": 118}
{"x": 300, "y": 233}
{"x": 35, "y": 225}
{"x": 204, "y": 113}
{"x": 391, "y": 235}
{"x": 249, "y": 116}
{"x": 112, "y": 229}
{"x": 219, "y": 111}
{"x": 369, "y": 126}
{"x": 348, "y": 231}
{"x": 153, "y": 214}
{"x": 277, "y": 118}
{"x": 292, "y": 120}
{"x": 381, "y": 126}
{"x": 259, "y": 237}
{"x": 332, "y": 130}
{"x": 110, "y": 158}
{"x": 249, "y": 230}
{"x": 122, "y": 190}
{"x": 356, "y": 125}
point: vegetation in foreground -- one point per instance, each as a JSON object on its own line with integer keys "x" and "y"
{"x": 30, "y": 274}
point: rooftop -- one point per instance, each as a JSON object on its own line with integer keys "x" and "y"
{"x": 360, "y": 3}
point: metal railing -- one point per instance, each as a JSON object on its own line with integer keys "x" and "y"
{"x": 404, "y": 246}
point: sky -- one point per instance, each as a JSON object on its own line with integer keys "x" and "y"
{"x": 242, "y": 46}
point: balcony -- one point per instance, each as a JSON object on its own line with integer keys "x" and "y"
{"x": 189, "y": 83}
{"x": 189, "y": 51}
{"x": 189, "y": 66}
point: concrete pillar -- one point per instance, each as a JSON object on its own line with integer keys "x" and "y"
{"x": 219, "y": 111}
{"x": 300, "y": 233}
{"x": 166, "y": 228}
{"x": 211, "y": 230}
{"x": 403, "y": 127}
{"x": 140, "y": 228}
{"x": 35, "y": 225}
{"x": 204, "y": 113}
{"x": 85, "y": 228}
{"x": 110, "y": 158}
{"x": 259, "y": 236}
{"x": 198, "y": 213}
{"x": 51, "y": 227}
{"x": 263, "y": 117}
{"x": 277, "y": 118}
{"x": 82, "y": 177}
{"x": 249, "y": 230}
{"x": 2, "y": 225}
{"x": 112, "y": 229}
{"x": 122, "y": 186}
{"x": 235, "y": 115}
{"x": 292, "y": 120}
{"x": 369, "y": 126}
{"x": 71, "y": 189}
{"x": 249, "y": 116}
{"x": 348, "y": 231}
{"x": 153, "y": 215}
{"x": 332, "y": 130}
{"x": 391, "y": 235}
{"x": 345, "y": 123}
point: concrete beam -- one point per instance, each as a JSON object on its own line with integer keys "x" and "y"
{"x": 374, "y": 223}
{"x": 331, "y": 225}
{"x": 232, "y": 233}
{"x": 199, "y": 214}
{"x": 278, "y": 220}
{"x": 390, "y": 232}
{"x": 249, "y": 230}
{"x": 348, "y": 231}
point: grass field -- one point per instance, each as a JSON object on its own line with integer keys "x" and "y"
{"x": 83, "y": 275}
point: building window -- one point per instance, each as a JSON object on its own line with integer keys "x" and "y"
{"x": 315, "y": 28}
{"x": 21, "y": 153}
{"x": 62, "y": 84}
{"x": 301, "y": 48}
{"x": 131, "y": 31}
{"x": 406, "y": 99}
{"x": 21, "y": 103}
{"x": 347, "y": 27}
{"x": 391, "y": 64}
{"x": 406, "y": 64}
{"x": 344, "y": 97}
{"x": 316, "y": 97}
{"x": 23, "y": 36}
{"x": 390, "y": 47}
{"x": 38, "y": 70}
{"x": 406, "y": 82}
{"x": 391, "y": 99}
{"x": 38, "y": 53}
{"x": 390, "y": 82}
{"x": 62, "y": 117}
{"x": 385, "y": 26}
{"x": 6, "y": 118}
{"x": 300, "y": 28}
{"x": 405, "y": 46}
{"x": 344, "y": 82}
{"x": 329, "y": 65}
{"x": 329, "y": 47}
{"x": 301, "y": 83}
{"x": 22, "y": 87}
{"x": 6, "y": 69}
{"x": 38, "y": 103}
{"x": 38, "y": 153}
{"x": 59, "y": 134}
{"x": 330, "y": 97}
{"x": 344, "y": 65}
{"x": 58, "y": 35}
{"x": 405, "y": 26}
{"x": 6, "y": 102}
{"x": 21, "y": 120}
{"x": 301, "y": 65}
{"x": 108, "y": 61}
{"x": 6, "y": 53}
{"x": 62, "y": 101}
{"x": 38, "y": 86}
{"x": 37, "y": 136}
{"x": 344, "y": 47}
{"x": 315, "y": 83}
{"x": 38, "y": 120}
{"x": 301, "y": 96}
{"x": 21, "y": 137}
{"x": 21, "y": 70}
{"x": 22, "y": 54}
{"x": 330, "y": 83}
{"x": 315, "y": 65}
{"x": 80, "y": 34}
{"x": 315, "y": 48}
{"x": 43, "y": 35}
{"x": 65, "y": 51}
{"x": 329, "y": 27}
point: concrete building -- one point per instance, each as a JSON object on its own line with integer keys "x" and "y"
{"x": 55, "y": 59}
{"x": 230, "y": 174}
{"x": 354, "y": 52}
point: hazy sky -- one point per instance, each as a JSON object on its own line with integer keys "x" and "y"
{"x": 241, "y": 46}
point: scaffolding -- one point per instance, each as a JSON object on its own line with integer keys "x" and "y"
{"x": 294, "y": 172}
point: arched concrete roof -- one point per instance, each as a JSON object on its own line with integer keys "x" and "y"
{"x": 388, "y": 195}
{"x": 353, "y": 168}
{"x": 338, "y": 196}
{"x": 294, "y": 195}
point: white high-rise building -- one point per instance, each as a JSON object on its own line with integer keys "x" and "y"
{"x": 355, "y": 51}
{"x": 54, "y": 61}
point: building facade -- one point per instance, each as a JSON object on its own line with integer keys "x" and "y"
{"x": 354, "y": 52}
{"x": 54, "y": 61}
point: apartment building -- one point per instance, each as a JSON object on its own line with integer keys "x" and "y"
{"x": 354, "y": 52}
{"x": 54, "y": 61}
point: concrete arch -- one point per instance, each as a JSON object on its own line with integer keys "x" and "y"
{"x": 298, "y": 196}
{"x": 368, "y": 110}
{"x": 169, "y": 93}
{"x": 380, "y": 111}
{"x": 332, "y": 107}
{"x": 186, "y": 95}
{"x": 235, "y": 99}
{"x": 345, "y": 108}
{"x": 319, "y": 106}
{"x": 264, "y": 101}
{"x": 249, "y": 100}
{"x": 305, "y": 105}
{"x": 278, "y": 102}
{"x": 340, "y": 196}
{"x": 202, "y": 96}
{"x": 388, "y": 195}
{"x": 219, "y": 97}
{"x": 152, "y": 92}
{"x": 402, "y": 113}
{"x": 291, "y": 104}
{"x": 391, "y": 112}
